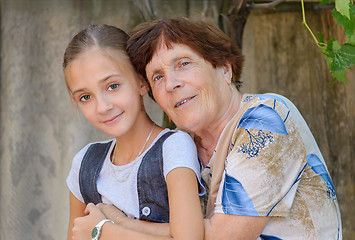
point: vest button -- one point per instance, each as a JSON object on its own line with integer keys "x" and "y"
{"x": 146, "y": 211}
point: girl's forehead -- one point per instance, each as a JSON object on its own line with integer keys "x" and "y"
{"x": 95, "y": 61}
{"x": 114, "y": 57}
{"x": 113, "y": 54}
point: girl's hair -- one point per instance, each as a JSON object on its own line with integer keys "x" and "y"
{"x": 100, "y": 36}
{"x": 204, "y": 38}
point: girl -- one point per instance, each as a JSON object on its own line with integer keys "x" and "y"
{"x": 145, "y": 170}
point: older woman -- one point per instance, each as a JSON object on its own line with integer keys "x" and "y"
{"x": 266, "y": 176}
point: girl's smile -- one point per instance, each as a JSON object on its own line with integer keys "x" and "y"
{"x": 113, "y": 120}
{"x": 107, "y": 90}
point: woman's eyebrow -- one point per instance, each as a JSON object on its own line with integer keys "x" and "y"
{"x": 171, "y": 62}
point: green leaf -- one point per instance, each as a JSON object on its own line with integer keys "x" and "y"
{"x": 343, "y": 58}
{"x": 352, "y": 40}
{"x": 328, "y": 60}
{"x": 352, "y": 9}
{"x": 347, "y": 23}
{"x": 330, "y": 45}
{"x": 347, "y": 52}
{"x": 337, "y": 75}
{"x": 336, "y": 46}
{"x": 343, "y": 7}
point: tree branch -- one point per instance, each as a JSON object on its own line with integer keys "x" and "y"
{"x": 145, "y": 9}
{"x": 237, "y": 16}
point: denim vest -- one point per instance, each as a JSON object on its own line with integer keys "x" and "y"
{"x": 151, "y": 185}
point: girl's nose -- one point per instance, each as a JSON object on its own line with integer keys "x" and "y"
{"x": 104, "y": 104}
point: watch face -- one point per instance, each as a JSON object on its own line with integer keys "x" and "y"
{"x": 94, "y": 233}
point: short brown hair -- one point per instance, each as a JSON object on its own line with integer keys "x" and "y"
{"x": 204, "y": 38}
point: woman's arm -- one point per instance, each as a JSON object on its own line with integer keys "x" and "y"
{"x": 236, "y": 227}
{"x": 77, "y": 209}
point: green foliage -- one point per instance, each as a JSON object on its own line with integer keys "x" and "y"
{"x": 352, "y": 40}
{"x": 338, "y": 57}
{"x": 333, "y": 59}
{"x": 343, "y": 7}
{"x": 347, "y": 22}
{"x": 343, "y": 57}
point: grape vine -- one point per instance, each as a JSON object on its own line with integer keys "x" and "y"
{"x": 338, "y": 56}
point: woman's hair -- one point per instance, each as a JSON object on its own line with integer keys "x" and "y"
{"x": 100, "y": 36}
{"x": 204, "y": 38}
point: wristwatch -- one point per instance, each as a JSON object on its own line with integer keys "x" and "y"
{"x": 96, "y": 232}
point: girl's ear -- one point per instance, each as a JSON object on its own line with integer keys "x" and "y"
{"x": 143, "y": 86}
{"x": 227, "y": 71}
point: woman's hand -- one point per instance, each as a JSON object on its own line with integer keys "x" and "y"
{"x": 113, "y": 213}
{"x": 83, "y": 226}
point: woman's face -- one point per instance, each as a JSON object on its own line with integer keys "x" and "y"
{"x": 188, "y": 88}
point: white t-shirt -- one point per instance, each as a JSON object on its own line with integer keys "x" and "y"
{"x": 179, "y": 150}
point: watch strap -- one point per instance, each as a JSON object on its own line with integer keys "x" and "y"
{"x": 96, "y": 232}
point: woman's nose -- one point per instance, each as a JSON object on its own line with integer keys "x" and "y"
{"x": 173, "y": 82}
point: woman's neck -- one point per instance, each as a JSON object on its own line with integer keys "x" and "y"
{"x": 206, "y": 139}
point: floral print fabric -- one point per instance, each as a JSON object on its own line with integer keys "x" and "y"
{"x": 273, "y": 167}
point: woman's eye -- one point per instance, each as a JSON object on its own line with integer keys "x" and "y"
{"x": 113, "y": 86}
{"x": 85, "y": 98}
{"x": 185, "y": 64}
{"x": 157, "y": 78}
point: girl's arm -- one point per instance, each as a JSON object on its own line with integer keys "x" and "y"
{"x": 77, "y": 209}
{"x": 113, "y": 213}
{"x": 186, "y": 221}
{"x": 185, "y": 215}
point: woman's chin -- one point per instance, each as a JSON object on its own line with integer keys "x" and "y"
{"x": 187, "y": 126}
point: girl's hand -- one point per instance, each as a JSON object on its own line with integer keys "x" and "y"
{"x": 113, "y": 213}
{"x": 83, "y": 226}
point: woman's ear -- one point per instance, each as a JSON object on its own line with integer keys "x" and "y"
{"x": 227, "y": 71}
{"x": 143, "y": 86}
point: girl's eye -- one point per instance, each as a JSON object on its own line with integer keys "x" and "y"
{"x": 157, "y": 78}
{"x": 113, "y": 86}
{"x": 85, "y": 98}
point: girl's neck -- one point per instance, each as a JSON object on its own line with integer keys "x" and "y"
{"x": 130, "y": 145}
{"x": 206, "y": 140}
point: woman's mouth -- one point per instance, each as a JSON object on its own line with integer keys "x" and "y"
{"x": 184, "y": 101}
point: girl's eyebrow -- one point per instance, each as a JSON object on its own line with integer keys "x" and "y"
{"x": 78, "y": 90}
{"x": 100, "y": 81}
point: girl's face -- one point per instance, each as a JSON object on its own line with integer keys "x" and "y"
{"x": 107, "y": 90}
